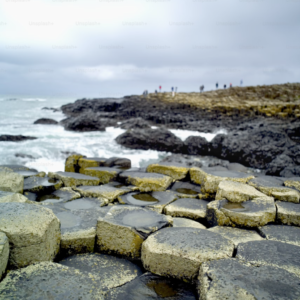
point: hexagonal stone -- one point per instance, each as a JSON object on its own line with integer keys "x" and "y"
{"x": 231, "y": 279}
{"x": 183, "y": 222}
{"x": 49, "y": 280}
{"x": 107, "y": 191}
{"x": 187, "y": 207}
{"x": 179, "y": 252}
{"x": 33, "y": 232}
{"x": 254, "y": 213}
{"x": 62, "y": 195}
{"x": 105, "y": 174}
{"x": 209, "y": 179}
{"x": 71, "y": 164}
{"x": 238, "y": 192}
{"x": 74, "y": 179}
{"x": 156, "y": 201}
{"x": 271, "y": 253}
{"x": 175, "y": 170}
{"x": 90, "y": 162}
{"x": 237, "y": 235}
{"x": 4, "y": 253}
{"x": 41, "y": 185}
{"x": 124, "y": 228}
{"x": 78, "y": 224}
{"x": 281, "y": 233}
{"x": 11, "y": 182}
{"x": 122, "y": 163}
{"x": 293, "y": 182}
{"x": 108, "y": 271}
{"x": 150, "y": 286}
{"x": 147, "y": 182}
{"x": 273, "y": 186}
{"x": 187, "y": 190}
{"x": 12, "y": 197}
{"x": 288, "y": 213}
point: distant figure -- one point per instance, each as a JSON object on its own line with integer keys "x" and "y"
{"x": 172, "y": 89}
{"x": 241, "y": 82}
{"x": 155, "y": 91}
{"x": 217, "y": 85}
{"x": 231, "y": 85}
{"x": 224, "y": 86}
{"x": 160, "y": 88}
{"x": 201, "y": 88}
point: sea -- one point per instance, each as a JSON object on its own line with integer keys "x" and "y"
{"x": 53, "y": 144}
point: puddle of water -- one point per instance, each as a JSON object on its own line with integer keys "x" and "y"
{"x": 79, "y": 204}
{"x": 235, "y": 206}
{"x": 138, "y": 219}
{"x": 47, "y": 197}
{"x": 67, "y": 219}
{"x": 186, "y": 191}
{"x": 141, "y": 199}
{"x": 162, "y": 289}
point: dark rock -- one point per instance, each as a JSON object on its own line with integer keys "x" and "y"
{"x": 231, "y": 279}
{"x": 188, "y": 160}
{"x": 46, "y": 121}
{"x": 156, "y": 139}
{"x": 135, "y": 123}
{"x": 197, "y": 145}
{"x": 280, "y": 163}
{"x": 15, "y": 138}
{"x": 290, "y": 171}
{"x": 22, "y": 155}
{"x": 270, "y": 253}
{"x": 41, "y": 185}
{"x": 121, "y": 162}
{"x": 150, "y": 287}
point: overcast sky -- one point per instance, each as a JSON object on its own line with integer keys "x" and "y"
{"x": 87, "y": 48}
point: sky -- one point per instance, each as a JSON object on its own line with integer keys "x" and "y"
{"x": 112, "y": 48}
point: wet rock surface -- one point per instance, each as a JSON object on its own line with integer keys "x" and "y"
{"x": 187, "y": 190}
{"x": 123, "y": 229}
{"x": 231, "y": 279}
{"x": 174, "y": 170}
{"x": 179, "y": 252}
{"x": 42, "y": 184}
{"x": 46, "y": 121}
{"x": 184, "y": 222}
{"x": 288, "y": 213}
{"x": 270, "y": 253}
{"x": 15, "y": 138}
{"x": 11, "y": 181}
{"x": 150, "y": 286}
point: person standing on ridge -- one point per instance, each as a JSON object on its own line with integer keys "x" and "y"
{"x": 172, "y": 89}
{"x": 160, "y": 88}
{"x": 241, "y": 82}
{"x": 217, "y": 85}
{"x": 224, "y": 86}
{"x": 231, "y": 85}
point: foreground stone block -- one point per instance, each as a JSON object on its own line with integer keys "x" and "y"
{"x": 49, "y": 280}
{"x": 71, "y": 164}
{"x": 184, "y": 189}
{"x": 187, "y": 207}
{"x": 271, "y": 253}
{"x": 11, "y": 182}
{"x": 147, "y": 182}
{"x": 179, "y": 252}
{"x": 150, "y": 286}
{"x": 105, "y": 174}
{"x": 12, "y": 197}
{"x": 231, "y": 279}
{"x": 108, "y": 271}
{"x": 90, "y": 162}
{"x": 33, "y": 232}
{"x": 183, "y": 222}
{"x": 74, "y": 179}
{"x": 4, "y": 253}
{"x": 288, "y": 213}
{"x": 175, "y": 170}
{"x": 62, "y": 195}
{"x": 78, "y": 224}
{"x": 106, "y": 191}
{"x": 124, "y": 228}
{"x": 41, "y": 185}
{"x": 254, "y": 213}
{"x": 281, "y": 233}
{"x": 210, "y": 179}
{"x": 237, "y": 235}
{"x": 156, "y": 201}
{"x": 293, "y": 182}
{"x": 237, "y": 192}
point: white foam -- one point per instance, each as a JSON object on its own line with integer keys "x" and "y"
{"x": 184, "y": 134}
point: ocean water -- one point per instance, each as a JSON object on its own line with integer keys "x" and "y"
{"x": 48, "y": 151}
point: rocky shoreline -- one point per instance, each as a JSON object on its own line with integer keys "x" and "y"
{"x": 173, "y": 230}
